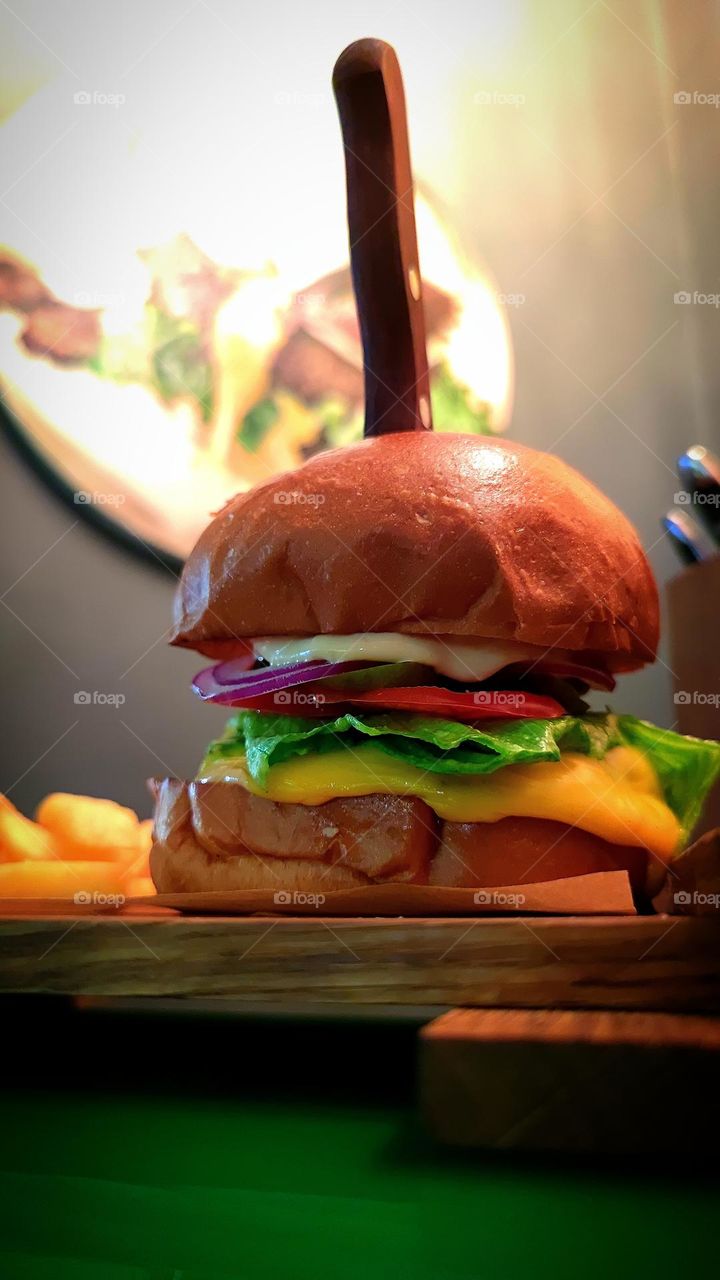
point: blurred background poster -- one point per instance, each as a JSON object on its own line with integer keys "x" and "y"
{"x": 176, "y": 321}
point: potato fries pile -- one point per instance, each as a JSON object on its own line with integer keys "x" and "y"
{"x": 79, "y": 848}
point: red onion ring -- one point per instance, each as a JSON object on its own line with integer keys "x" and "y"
{"x": 223, "y": 683}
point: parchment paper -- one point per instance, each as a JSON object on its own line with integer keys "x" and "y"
{"x": 603, "y": 893}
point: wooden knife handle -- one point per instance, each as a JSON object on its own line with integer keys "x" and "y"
{"x": 383, "y": 242}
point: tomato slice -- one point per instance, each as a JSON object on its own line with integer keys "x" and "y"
{"x": 483, "y": 704}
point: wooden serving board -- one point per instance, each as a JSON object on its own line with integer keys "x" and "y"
{"x": 571, "y": 1080}
{"x": 647, "y": 962}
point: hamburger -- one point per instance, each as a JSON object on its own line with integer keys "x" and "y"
{"x": 406, "y": 630}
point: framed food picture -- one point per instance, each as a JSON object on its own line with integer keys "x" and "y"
{"x": 170, "y": 357}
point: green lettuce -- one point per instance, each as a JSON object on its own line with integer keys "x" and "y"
{"x": 166, "y": 352}
{"x": 686, "y": 767}
{"x": 452, "y": 408}
{"x": 256, "y": 424}
{"x": 180, "y": 362}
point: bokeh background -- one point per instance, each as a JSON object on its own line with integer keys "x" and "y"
{"x": 574, "y": 145}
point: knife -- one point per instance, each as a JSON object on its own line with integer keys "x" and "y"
{"x": 686, "y": 536}
{"x": 699, "y": 472}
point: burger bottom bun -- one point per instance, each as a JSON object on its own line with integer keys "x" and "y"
{"x": 527, "y": 850}
{"x": 216, "y": 836}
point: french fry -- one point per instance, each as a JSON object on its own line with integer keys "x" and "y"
{"x": 89, "y": 828}
{"x": 146, "y": 834}
{"x": 139, "y": 887}
{"x": 76, "y": 881}
{"x": 141, "y": 866}
{"x": 80, "y": 847}
{"x": 136, "y": 859}
{"x": 22, "y": 840}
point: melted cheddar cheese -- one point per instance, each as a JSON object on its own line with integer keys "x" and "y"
{"x": 618, "y": 798}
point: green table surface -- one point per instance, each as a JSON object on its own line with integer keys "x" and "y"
{"x": 167, "y": 1147}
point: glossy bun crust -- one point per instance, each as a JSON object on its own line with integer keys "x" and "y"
{"x": 456, "y": 535}
{"x": 215, "y": 836}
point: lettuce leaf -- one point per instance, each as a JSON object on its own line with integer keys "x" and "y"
{"x": 256, "y": 424}
{"x": 452, "y": 406}
{"x": 686, "y": 767}
{"x": 165, "y": 352}
{"x": 442, "y": 746}
{"x": 180, "y": 362}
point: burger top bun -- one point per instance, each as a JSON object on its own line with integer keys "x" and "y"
{"x": 457, "y": 535}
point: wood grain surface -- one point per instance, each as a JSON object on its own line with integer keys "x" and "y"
{"x": 571, "y": 1080}
{"x": 653, "y": 962}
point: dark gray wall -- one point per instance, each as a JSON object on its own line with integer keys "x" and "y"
{"x": 82, "y": 614}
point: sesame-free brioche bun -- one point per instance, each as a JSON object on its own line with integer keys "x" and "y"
{"x": 217, "y": 836}
{"x": 456, "y": 535}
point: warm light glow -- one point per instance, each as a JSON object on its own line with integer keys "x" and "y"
{"x": 247, "y": 173}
